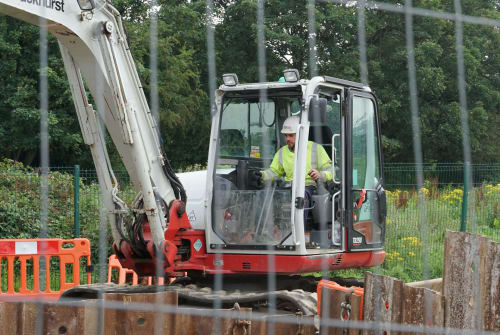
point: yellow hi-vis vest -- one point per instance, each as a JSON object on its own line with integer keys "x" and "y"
{"x": 282, "y": 164}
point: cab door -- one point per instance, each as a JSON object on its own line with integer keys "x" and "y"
{"x": 365, "y": 196}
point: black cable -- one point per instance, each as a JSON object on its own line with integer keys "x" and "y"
{"x": 174, "y": 180}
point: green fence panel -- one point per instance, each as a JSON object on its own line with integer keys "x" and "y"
{"x": 405, "y": 242}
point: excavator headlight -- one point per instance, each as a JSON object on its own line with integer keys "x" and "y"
{"x": 291, "y": 75}
{"x": 230, "y": 79}
{"x": 86, "y": 5}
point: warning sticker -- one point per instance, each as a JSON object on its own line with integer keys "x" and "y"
{"x": 255, "y": 151}
{"x": 26, "y": 248}
{"x": 197, "y": 245}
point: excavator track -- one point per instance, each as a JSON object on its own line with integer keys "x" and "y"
{"x": 292, "y": 294}
{"x": 285, "y": 301}
{"x": 192, "y": 295}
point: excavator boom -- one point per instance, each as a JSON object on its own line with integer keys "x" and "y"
{"x": 95, "y": 51}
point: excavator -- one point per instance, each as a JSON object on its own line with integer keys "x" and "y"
{"x": 194, "y": 227}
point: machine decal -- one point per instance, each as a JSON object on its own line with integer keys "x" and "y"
{"x": 357, "y": 240}
{"x": 197, "y": 245}
{"x": 192, "y": 216}
{"x": 255, "y": 151}
{"x": 50, "y": 4}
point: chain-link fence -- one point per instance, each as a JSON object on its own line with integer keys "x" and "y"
{"x": 442, "y": 191}
{"x": 403, "y": 175}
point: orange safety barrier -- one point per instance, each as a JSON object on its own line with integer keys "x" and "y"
{"x": 359, "y": 291}
{"x": 125, "y": 275}
{"x": 41, "y": 268}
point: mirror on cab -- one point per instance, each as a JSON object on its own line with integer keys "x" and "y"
{"x": 317, "y": 109}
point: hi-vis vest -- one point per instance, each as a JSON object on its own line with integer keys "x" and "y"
{"x": 282, "y": 164}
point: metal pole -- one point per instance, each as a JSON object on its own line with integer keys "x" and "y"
{"x": 77, "y": 200}
{"x": 464, "y": 197}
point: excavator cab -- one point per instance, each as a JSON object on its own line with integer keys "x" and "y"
{"x": 344, "y": 213}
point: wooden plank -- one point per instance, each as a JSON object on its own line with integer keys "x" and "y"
{"x": 8, "y": 317}
{"x": 285, "y": 325}
{"x": 422, "y": 306}
{"x": 59, "y": 319}
{"x": 492, "y": 288}
{"x": 332, "y": 308}
{"x": 432, "y": 284}
{"x": 466, "y": 278}
{"x": 188, "y": 321}
{"x": 19, "y": 317}
{"x": 134, "y": 321}
{"x": 382, "y": 300}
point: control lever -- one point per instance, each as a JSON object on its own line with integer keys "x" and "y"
{"x": 320, "y": 186}
{"x": 359, "y": 204}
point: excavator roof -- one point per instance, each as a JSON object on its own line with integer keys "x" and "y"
{"x": 291, "y": 85}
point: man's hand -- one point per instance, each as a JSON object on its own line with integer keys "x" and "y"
{"x": 314, "y": 174}
{"x": 255, "y": 179}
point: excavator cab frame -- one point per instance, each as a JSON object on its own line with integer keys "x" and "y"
{"x": 326, "y": 111}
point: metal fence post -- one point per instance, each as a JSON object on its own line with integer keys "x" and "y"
{"x": 77, "y": 200}
{"x": 465, "y": 198}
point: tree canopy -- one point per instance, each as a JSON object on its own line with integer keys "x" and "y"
{"x": 183, "y": 75}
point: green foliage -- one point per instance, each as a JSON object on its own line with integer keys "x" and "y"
{"x": 408, "y": 245}
{"x": 286, "y": 34}
{"x": 183, "y": 75}
{"x": 183, "y": 104}
{"x": 19, "y": 98}
{"x": 20, "y": 203}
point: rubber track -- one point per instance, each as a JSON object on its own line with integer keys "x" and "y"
{"x": 289, "y": 301}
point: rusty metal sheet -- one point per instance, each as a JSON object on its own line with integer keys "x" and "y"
{"x": 382, "y": 300}
{"x": 334, "y": 307}
{"x": 422, "y": 306}
{"x": 60, "y": 319}
{"x": 19, "y": 317}
{"x": 285, "y": 325}
{"x": 130, "y": 321}
{"x": 186, "y": 323}
{"x": 467, "y": 286}
{"x": 492, "y": 283}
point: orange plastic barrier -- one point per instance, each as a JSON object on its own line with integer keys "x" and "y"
{"x": 41, "y": 268}
{"x": 124, "y": 274}
{"x": 359, "y": 291}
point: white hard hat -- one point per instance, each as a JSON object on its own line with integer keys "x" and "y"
{"x": 291, "y": 125}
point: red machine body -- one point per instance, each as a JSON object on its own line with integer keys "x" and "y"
{"x": 180, "y": 233}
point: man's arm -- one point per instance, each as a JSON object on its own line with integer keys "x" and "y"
{"x": 324, "y": 164}
{"x": 275, "y": 171}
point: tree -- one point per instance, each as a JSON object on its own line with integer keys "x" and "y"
{"x": 183, "y": 104}
{"x": 286, "y": 33}
{"x": 19, "y": 98}
{"x": 183, "y": 75}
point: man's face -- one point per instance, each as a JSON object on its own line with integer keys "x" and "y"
{"x": 290, "y": 141}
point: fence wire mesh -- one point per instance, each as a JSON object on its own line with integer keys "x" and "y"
{"x": 423, "y": 199}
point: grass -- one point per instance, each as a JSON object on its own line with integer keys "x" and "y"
{"x": 54, "y": 274}
{"x": 414, "y": 251}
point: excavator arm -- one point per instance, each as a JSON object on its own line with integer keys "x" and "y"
{"x": 95, "y": 51}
